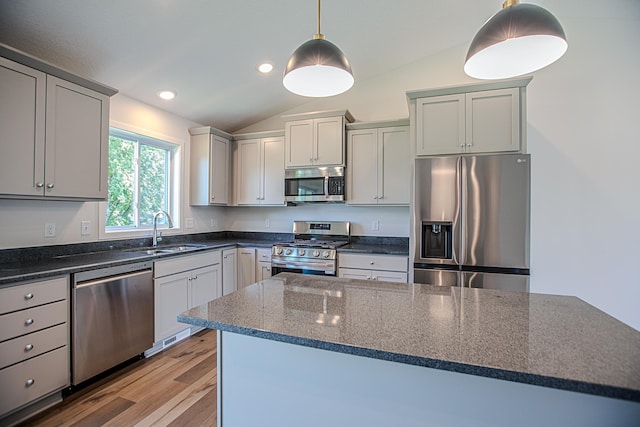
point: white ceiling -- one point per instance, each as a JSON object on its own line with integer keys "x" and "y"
{"x": 208, "y": 50}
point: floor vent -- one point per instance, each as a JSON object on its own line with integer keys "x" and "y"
{"x": 166, "y": 343}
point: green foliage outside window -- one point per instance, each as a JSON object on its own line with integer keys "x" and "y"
{"x": 138, "y": 181}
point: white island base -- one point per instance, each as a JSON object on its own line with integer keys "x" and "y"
{"x": 271, "y": 383}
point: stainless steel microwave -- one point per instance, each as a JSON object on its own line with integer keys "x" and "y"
{"x": 321, "y": 184}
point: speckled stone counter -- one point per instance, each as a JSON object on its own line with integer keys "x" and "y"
{"x": 551, "y": 341}
{"x": 377, "y": 245}
{"x": 38, "y": 263}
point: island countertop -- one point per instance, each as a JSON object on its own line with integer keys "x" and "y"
{"x": 546, "y": 340}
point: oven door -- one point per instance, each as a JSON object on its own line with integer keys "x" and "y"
{"x": 317, "y": 267}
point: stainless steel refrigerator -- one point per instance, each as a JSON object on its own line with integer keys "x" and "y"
{"x": 471, "y": 221}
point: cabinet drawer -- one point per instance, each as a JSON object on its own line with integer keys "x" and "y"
{"x": 379, "y": 275}
{"x": 32, "y": 294}
{"x": 33, "y": 378}
{"x": 186, "y": 262}
{"x": 32, "y": 345}
{"x": 263, "y": 255}
{"x": 373, "y": 262}
{"x": 33, "y": 319}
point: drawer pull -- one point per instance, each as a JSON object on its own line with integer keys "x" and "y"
{"x": 28, "y": 347}
{"x": 28, "y": 322}
{"x": 28, "y": 296}
{"x": 371, "y": 262}
{"x": 30, "y": 382}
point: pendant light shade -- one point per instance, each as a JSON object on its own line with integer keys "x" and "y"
{"x": 318, "y": 68}
{"x": 519, "y": 39}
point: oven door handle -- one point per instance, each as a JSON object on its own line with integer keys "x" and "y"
{"x": 309, "y": 265}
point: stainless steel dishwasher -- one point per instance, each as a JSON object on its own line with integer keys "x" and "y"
{"x": 112, "y": 318}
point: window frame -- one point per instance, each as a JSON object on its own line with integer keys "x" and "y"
{"x": 174, "y": 184}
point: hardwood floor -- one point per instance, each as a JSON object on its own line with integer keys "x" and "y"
{"x": 174, "y": 388}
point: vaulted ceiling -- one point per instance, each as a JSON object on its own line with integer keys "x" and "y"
{"x": 208, "y": 50}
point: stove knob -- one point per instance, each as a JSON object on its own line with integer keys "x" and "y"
{"x": 325, "y": 254}
{"x": 301, "y": 252}
{"x": 288, "y": 251}
{"x": 279, "y": 251}
{"x": 316, "y": 253}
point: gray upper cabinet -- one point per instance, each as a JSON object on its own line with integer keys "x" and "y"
{"x": 209, "y": 167}
{"x": 482, "y": 118}
{"x": 55, "y": 134}
{"x": 315, "y": 139}
{"x": 378, "y": 171}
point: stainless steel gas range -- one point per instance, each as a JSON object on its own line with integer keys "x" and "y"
{"x": 313, "y": 250}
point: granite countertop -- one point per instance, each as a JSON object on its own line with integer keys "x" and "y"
{"x": 546, "y": 340}
{"x": 39, "y": 263}
{"x": 30, "y": 269}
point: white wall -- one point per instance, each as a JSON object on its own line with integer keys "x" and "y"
{"x": 582, "y": 134}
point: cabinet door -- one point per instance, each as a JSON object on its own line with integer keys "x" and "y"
{"x": 219, "y": 173}
{"x": 171, "y": 298}
{"x": 246, "y": 267}
{"x": 440, "y": 125}
{"x": 272, "y": 163}
{"x": 22, "y": 111}
{"x": 229, "y": 271}
{"x": 77, "y": 132}
{"x": 393, "y": 166}
{"x": 205, "y": 284}
{"x": 329, "y": 141}
{"x": 493, "y": 121}
{"x": 249, "y": 173}
{"x": 263, "y": 271}
{"x": 299, "y": 143}
{"x": 362, "y": 172}
{"x": 389, "y": 276}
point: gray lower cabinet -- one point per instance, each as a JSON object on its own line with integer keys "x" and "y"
{"x": 34, "y": 342}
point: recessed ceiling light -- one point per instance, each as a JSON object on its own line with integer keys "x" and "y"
{"x": 167, "y": 94}
{"x": 265, "y": 67}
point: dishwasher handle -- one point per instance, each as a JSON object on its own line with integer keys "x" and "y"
{"x": 109, "y": 279}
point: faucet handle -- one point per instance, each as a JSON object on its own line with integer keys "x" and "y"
{"x": 159, "y": 239}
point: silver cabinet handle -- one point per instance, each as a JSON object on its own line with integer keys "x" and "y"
{"x": 225, "y": 257}
{"x": 28, "y": 347}
{"x": 371, "y": 262}
{"x": 381, "y": 197}
{"x": 30, "y": 382}
{"x": 28, "y": 296}
{"x": 39, "y": 184}
{"x": 375, "y": 198}
{"x": 50, "y": 186}
{"x": 28, "y": 322}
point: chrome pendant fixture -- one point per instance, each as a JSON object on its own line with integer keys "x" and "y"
{"x": 519, "y": 39}
{"x": 318, "y": 68}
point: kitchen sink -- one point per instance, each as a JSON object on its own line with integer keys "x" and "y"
{"x": 169, "y": 249}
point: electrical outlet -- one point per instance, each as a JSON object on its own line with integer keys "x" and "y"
{"x": 267, "y": 223}
{"x": 85, "y": 228}
{"x": 214, "y": 223}
{"x": 50, "y": 229}
{"x": 375, "y": 225}
{"x": 189, "y": 222}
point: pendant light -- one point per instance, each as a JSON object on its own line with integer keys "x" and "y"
{"x": 519, "y": 39}
{"x": 318, "y": 68}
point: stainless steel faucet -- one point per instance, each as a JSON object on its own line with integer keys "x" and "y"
{"x": 157, "y": 238}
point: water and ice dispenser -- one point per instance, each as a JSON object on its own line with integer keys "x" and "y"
{"x": 436, "y": 239}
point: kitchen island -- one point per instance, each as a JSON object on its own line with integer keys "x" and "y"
{"x": 316, "y": 351}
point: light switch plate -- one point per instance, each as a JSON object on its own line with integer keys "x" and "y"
{"x": 85, "y": 228}
{"x": 189, "y": 222}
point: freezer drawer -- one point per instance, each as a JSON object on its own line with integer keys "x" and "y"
{"x": 436, "y": 277}
{"x": 504, "y": 282}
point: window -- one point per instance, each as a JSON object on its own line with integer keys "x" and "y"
{"x": 140, "y": 180}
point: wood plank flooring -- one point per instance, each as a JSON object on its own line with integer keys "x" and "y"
{"x": 176, "y": 388}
